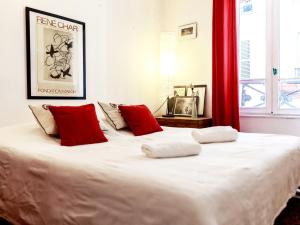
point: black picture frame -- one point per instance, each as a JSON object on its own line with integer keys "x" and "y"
{"x": 183, "y": 106}
{"x": 32, "y": 54}
{"x": 200, "y": 90}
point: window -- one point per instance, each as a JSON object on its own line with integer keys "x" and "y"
{"x": 269, "y": 56}
{"x": 245, "y": 59}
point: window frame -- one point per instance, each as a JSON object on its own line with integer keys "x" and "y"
{"x": 272, "y": 81}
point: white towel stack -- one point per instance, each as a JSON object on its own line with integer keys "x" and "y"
{"x": 215, "y": 134}
{"x": 171, "y": 149}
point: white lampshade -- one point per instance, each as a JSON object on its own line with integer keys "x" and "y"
{"x": 167, "y": 53}
{"x": 167, "y": 61}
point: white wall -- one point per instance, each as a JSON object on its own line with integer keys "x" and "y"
{"x": 270, "y": 125}
{"x": 194, "y": 60}
{"x": 194, "y": 57}
{"x": 122, "y": 46}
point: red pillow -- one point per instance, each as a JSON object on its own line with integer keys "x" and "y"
{"x": 139, "y": 119}
{"x": 77, "y": 125}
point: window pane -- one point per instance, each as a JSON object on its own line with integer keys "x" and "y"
{"x": 252, "y": 53}
{"x": 289, "y": 84}
{"x": 289, "y": 97}
{"x": 252, "y": 94}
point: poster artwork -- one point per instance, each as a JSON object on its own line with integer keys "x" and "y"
{"x": 56, "y": 57}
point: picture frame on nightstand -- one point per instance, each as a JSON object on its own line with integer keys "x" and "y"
{"x": 200, "y": 92}
{"x": 179, "y": 90}
{"x": 183, "y": 106}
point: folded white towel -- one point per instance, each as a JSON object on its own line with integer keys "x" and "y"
{"x": 215, "y": 134}
{"x": 171, "y": 149}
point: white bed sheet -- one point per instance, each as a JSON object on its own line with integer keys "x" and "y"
{"x": 247, "y": 182}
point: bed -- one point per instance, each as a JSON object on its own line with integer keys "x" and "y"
{"x": 247, "y": 182}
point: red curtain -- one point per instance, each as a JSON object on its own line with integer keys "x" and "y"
{"x": 225, "y": 102}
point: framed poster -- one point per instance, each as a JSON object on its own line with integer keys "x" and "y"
{"x": 55, "y": 56}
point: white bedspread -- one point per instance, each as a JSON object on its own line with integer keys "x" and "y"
{"x": 247, "y": 182}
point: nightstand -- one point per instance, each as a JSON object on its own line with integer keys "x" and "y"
{"x": 200, "y": 122}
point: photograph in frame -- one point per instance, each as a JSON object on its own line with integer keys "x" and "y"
{"x": 183, "y": 106}
{"x": 179, "y": 90}
{"x": 188, "y": 31}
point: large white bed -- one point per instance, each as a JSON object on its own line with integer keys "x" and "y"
{"x": 247, "y": 182}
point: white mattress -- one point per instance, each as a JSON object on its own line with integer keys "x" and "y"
{"x": 247, "y": 182}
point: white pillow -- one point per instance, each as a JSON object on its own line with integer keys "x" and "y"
{"x": 113, "y": 115}
{"x": 46, "y": 120}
